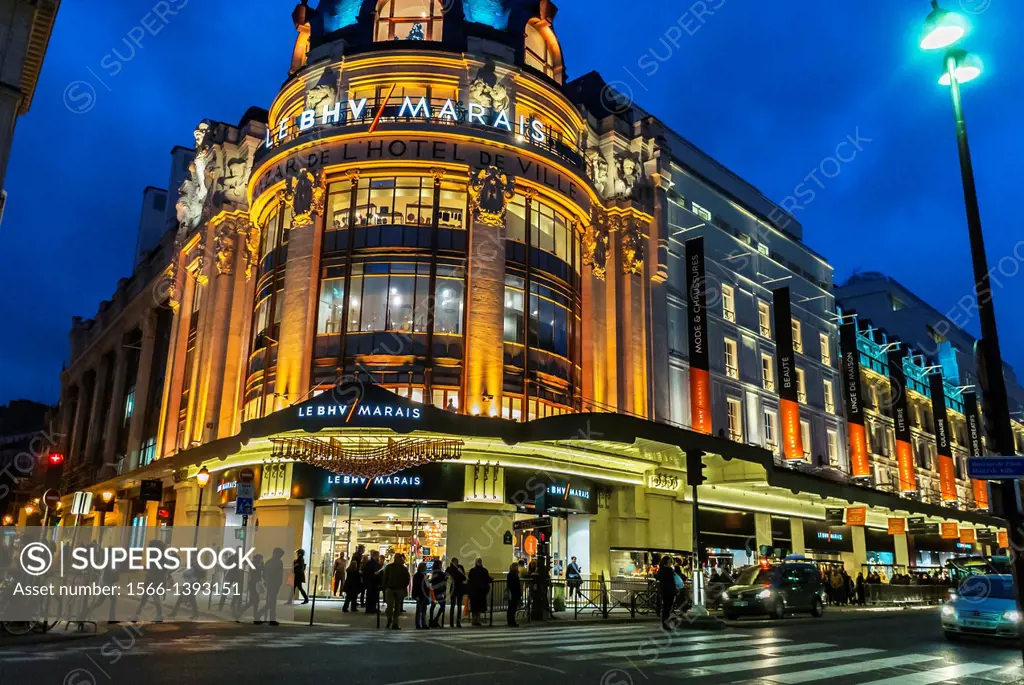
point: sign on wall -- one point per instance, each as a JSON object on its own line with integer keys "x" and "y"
{"x": 856, "y": 516}
{"x": 950, "y": 530}
{"x": 897, "y": 526}
{"x": 441, "y": 481}
{"x": 559, "y": 492}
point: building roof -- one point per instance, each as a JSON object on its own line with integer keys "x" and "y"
{"x": 38, "y": 41}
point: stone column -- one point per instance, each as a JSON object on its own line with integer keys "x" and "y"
{"x": 762, "y": 531}
{"x": 796, "y": 531}
{"x": 115, "y": 412}
{"x": 236, "y": 352}
{"x": 860, "y": 550}
{"x": 97, "y": 412}
{"x": 578, "y": 534}
{"x": 142, "y": 388}
{"x": 902, "y": 555}
{"x": 477, "y": 530}
{"x": 489, "y": 190}
{"x": 171, "y": 400}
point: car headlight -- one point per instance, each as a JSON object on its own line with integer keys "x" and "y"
{"x": 764, "y": 594}
{"x": 725, "y": 596}
{"x": 1012, "y": 616}
{"x": 948, "y": 610}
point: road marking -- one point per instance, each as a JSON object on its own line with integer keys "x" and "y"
{"x": 720, "y": 656}
{"x": 494, "y": 658}
{"x": 789, "y": 660}
{"x": 447, "y": 677}
{"x": 654, "y": 655}
{"x": 849, "y": 669}
{"x": 654, "y": 640}
{"x": 937, "y": 675}
{"x": 540, "y": 632}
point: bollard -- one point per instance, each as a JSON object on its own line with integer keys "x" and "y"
{"x": 312, "y": 608}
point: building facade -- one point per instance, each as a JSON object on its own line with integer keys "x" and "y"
{"x": 436, "y": 289}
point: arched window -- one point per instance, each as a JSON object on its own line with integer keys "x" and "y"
{"x": 542, "y": 51}
{"x": 409, "y": 20}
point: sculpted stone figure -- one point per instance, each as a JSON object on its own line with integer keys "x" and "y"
{"x": 487, "y": 91}
{"x": 490, "y": 190}
{"x": 630, "y": 171}
{"x": 597, "y": 169}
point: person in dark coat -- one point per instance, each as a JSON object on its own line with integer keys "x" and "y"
{"x": 478, "y": 583}
{"x": 861, "y": 589}
{"x": 360, "y": 557}
{"x": 353, "y": 585}
{"x": 273, "y": 577}
{"x": 421, "y": 595}
{"x": 667, "y": 586}
{"x": 438, "y": 588}
{"x": 338, "y": 575}
{"x": 371, "y": 582}
{"x": 573, "y": 577}
{"x": 458, "y": 577}
{"x": 299, "y": 576}
{"x": 515, "y": 594}
{"x": 253, "y": 588}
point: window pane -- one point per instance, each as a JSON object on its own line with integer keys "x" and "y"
{"x": 338, "y": 205}
{"x": 562, "y": 239}
{"x": 448, "y": 307}
{"x": 332, "y": 300}
{"x": 452, "y": 207}
{"x": 515, "y": 222}
{"x": 355, "y": 303}
{"x": 401, "y": 303}
{"x": 422, "y": 314}
{"x": 514, "y": 329}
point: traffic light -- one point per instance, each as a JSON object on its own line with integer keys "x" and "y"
{"x": 55, "y": 458}
{"x": 163, "y": 514}
{"x": 695, "y": 467}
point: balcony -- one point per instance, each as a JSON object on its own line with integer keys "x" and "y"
{"x": 801, "y": 396}
{"x": 798, "y": 346}
{"x": 735, "y": 436}
{"x": 830, "y": 408}
{"x": 729, "y": 315}
{"x": 732, "y": 371}
{"x": 766, "y": 331}
{"x": 826, "y": 359}
{"x": 768, "y": 384}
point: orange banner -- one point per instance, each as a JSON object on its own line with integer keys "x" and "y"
{"x": 947, "y": 479}
{"x": 968, "y": 536}
{"x": 980, "y": 493}
{"x": 897, "y": 526}
{"x": 792, "y": 440}
{"x": 1003, "y": 538}
{"x": 859, "y": 460}
{"x": 950, "y": 531}
{"x": 856, "y": 516}
{"x": 905, "y": 463}
{"x": 700, "y": 400}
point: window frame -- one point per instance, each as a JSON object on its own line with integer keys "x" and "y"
{"x": 731, "y": 345}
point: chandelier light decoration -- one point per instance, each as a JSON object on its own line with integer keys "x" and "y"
{"x": 366, "y": 458}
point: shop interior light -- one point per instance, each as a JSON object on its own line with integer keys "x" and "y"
{"x": 942, "y": 28}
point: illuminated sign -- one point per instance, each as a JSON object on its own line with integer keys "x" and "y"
{"x": 452, "y": 112}
{"x": 395, "y": 481}
{"x": 361, "y": 411}
{"x": 227, "y": 485}
{"x": 829, "y": 536}
{"x": 560, "y": 490}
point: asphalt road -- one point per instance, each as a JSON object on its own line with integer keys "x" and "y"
{"x": 905, "y": 648}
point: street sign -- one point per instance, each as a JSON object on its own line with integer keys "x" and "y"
{"x": 916, "y": 524}
{"x": 243, "y": 506}
{"x": 245, "y": 495}
{"x": 82, "y": 503}
{"x": 995, "y": 468}
{"x": 151, "y": 490}
{"x": 246, "y": 475}
{"x": 529, "y": 524}
{"x": 51, "y": 498}
{"x": 834, "y": 517}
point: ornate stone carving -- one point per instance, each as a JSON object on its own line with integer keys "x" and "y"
{"x": 224, "y": 246}
{"x": 324, "y": 91}
{"x": 490, "y": 190}
{"x": 629, "y": 171}
{"x": 597, "y": 170}
{"x": 195, "y": 189}
{"x": 235, "y": 180}
{"x": 595, "y": 242}
{"x": 304, "y": 192}
{"x": 487, "y": 91}
{"x": 632, "y": 247}
{"x": 252, "y": 248}
{"x": 169, "y": 284}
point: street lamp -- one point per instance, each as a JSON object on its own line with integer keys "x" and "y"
{"x": 8, "y": 520}
{"x": 202, "y": 478}
{"x": 941, "y": 32}
{"x": 29, "y": 509}
{"x": 107, "y": 496}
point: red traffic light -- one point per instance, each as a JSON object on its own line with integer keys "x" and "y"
{"x": 56, "y": 458}
{"x": 163, "y": 513}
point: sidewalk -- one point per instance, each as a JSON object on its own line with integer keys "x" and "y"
{"x": 56, "y": 635}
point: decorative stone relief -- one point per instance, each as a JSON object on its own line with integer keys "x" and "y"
{"x": 632, "y": 247}
{"x": 595, "y": 242}
{"x": 597, "y": 170}
{"x": 224, "y": 246}
{"x": 195, "y": 189}
{"x": 324, "y": 91}
{"x": 490, "y": 190}
{"x": 629, "y": 172}
{"x": 252, "y": 248}
{"x": 304, "y": 192}
{"x": 487, "y": 91}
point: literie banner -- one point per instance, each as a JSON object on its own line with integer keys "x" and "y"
{"x": 112, "y": 573}
{"x": 901, "y": 420}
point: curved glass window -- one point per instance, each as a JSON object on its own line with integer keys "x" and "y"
{"x": 550, "y": 229}
{"x": 449, "y": 300}
{"x": 539, "y": 53}
{"x": 384, "y": 297}
{"x": 407, "y": 200}
{"x": 409, "y": 20}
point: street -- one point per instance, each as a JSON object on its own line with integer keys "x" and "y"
{"x": 901, "y": 648}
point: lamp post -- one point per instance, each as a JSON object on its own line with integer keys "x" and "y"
{"x": 202, "y": 478}
{"x": 107, "y": 496}
{"x": 8, "y": 520}
{"x": 943, "y": 30}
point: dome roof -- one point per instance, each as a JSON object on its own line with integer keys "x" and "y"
{"x": 332, "y": 15}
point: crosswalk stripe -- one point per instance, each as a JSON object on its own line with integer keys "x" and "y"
{"x": 937, "y": 675}
{"x": 849, "y": 669}
{"x": 723, "y": 656}
{"x": 789, "y": 660}
{"x": 529, "y": 636}
{"x": 655, "y": 639}
{"x": 654, "y": 656}
{"x": 568, "y": 630}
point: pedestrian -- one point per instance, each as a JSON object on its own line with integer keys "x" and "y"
{"x": 360, "y": 558}
{"x": 255, "y": 581}
{"x": 478, "y": 584}
{"x": 667, "y": 585}
{"x": 438, "y": 586}
{"x": 421, "y": 595}
{"x": 861, "y": 590}
{"x": 273, "y": 576}
{"x": 232, "y": 587}
{"x": 396, "y": 583}
{"x": 339, "y": 575}
{"x": 192, "y": 579}
{"x": 353, "y": 585}
{"x": 573, "y": 578}
{"x": 457, "y": 574}
{"x": 515, "y": 594}
{"x": 299, "y": 576}
{"x": 158, "y": 579}
{"x": 371, "y": 582}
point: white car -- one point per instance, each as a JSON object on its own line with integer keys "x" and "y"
{"x": 982, "y": 605}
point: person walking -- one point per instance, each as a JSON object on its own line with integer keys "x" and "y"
{"x": 458, "y": 578}
{"x": 478, "y": 583}
{"x": 353, "y": 585}
{"x": 421, "y": 595}
{"x": 299, "y": 576}
{"x": 273, "y": 577}
{"x": 255, "y": 580}
{"x": 338, "y": 575}
{"x": 371, "y": 582}
{"x": 515, "y": 594}
{"x": 667, "y": 585}
{"x": 861, "y": 589}
{"x": 360, "y": 558}
{"x": 573, "y": 577}
{"x": 158, "y": 578}
{"x": 396, "y": 584}
{"x": 438, "y": 586}
{"x": 233, "y": 580}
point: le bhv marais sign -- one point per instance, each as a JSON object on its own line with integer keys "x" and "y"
{"x": 354, "y": 110}
{"x": 368, "y": 410}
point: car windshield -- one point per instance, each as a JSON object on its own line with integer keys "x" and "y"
{"x": 977, "y": 588}
{"x": 755, "y": 575}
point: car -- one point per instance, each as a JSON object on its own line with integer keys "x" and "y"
{"x": 983, "y": 605}
{"x": 775, "y": 589}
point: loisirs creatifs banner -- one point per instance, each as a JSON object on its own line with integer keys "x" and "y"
{"x": 974, "y": 439}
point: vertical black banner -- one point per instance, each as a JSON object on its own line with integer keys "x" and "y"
{"x": 977, "y": 444}
{"x": 943, "y": 447}
{"x": 697, "y": 320}
{"x": 901, "y": 420}
{"x": 860, "y": 462}
{"x": 789, "y": 398}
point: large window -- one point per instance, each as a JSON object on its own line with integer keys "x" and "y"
{"x": 406, "y": 200}
{"x": 798, "y": 338}
{"x": 551, "y": 231}
{"x": 515, "y": 312}
{"x": 830, "y": 398}
{"x": 332, "y": 302}
{"x": 771, "y": 431}
{"x": 731, "y": 359}
{"x": 768, "y": 372}
{"x": 549, "y": 320}
{"x": 409, "y": 20}
{"x": 764, "y": 319}
{"x": 539, "y": 53}
{"x": 735, "y": 419}
{"x": 801, "y": 386}
{"x": 449, "y": 296}
{"x": 387, "y": 297}
{"x": 728, "y": 303}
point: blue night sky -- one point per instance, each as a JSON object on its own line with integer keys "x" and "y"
{"x": 767, "y": 88}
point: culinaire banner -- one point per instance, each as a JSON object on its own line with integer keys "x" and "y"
{"x": 700, "y": 379}
{"x": 850, "y": 357}
{"x": 947, "y": 472}
{"x": 901, "y": 419}
{"x": 976, "y": 445}
{"x": 789, "y": 399}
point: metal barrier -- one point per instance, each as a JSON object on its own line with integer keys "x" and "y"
{"x": 880, "y": 593}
